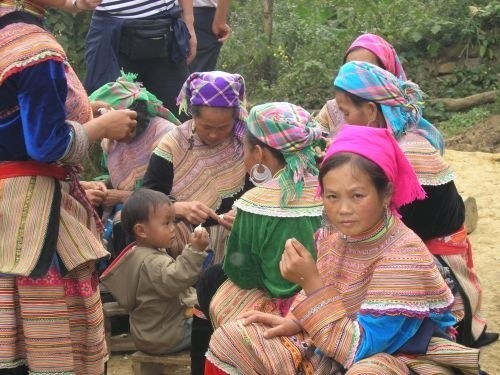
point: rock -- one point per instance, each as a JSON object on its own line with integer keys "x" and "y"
{"x": 447, "y": 67}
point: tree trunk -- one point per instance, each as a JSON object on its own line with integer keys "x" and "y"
{"x": 269, "y": 71}
{"x": 268, "y": 20}
{"x": 460, "y": 104}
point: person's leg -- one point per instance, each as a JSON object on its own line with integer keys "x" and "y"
{"x": 378, "y": 364}
{"x": 202, "y": 331}
{"x": 160, "y": 76}
{"x": 186, "y": 340}
{"x": 208, "y": 48}
{"x": 206, "y": 287}
{"x": 101, "y": 46}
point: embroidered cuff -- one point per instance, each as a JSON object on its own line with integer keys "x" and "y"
{"x": 78, "y": 146}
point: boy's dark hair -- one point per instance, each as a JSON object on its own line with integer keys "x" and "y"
{"x": 376, "y": 173}
{"x": 138, "y": 207}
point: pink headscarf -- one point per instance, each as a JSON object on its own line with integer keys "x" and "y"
{"x": 383, "y": 50}
{"x": 379, "y": 146}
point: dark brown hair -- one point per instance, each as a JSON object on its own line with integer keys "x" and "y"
{"x": 139, "y": 206}
{"x": 377, "y": 175}
{"x": 254, "y": 141}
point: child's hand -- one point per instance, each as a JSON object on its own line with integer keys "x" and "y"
{"x": 199, "y": 239}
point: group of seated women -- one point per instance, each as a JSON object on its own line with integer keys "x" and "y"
{"x": 359, "y": 266}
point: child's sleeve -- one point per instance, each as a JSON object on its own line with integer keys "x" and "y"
{"x": 171, "y": 276}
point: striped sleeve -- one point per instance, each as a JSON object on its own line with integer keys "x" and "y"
{"x": 324, "y": 318}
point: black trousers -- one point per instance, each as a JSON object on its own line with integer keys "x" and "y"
{"x": 160, "y": 76}
{"x": 208, "y": 48}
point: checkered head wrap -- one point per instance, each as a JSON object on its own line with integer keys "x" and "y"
{"x": 125, "y": 91}
{"x": 401, "y": 102}
{"x": 291, "y": 130}
{"x": 215, "y": 89}
{"x": 384, "y": 51}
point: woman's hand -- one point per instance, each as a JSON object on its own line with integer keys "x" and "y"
{"x": 95, "y": 191}
{"x": 118, "y": 125}
{"x": 280, "y": 326}
{"x": 227, "y": 219}
{"x": 116, "y": 196}
{"x": 194, "y": 212}
{"x": 298, "y": 266}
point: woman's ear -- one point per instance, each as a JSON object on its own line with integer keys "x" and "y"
{"x": 388, "y": 194}
{"x": 372, "y": 112}
{"x": 258, "y": 153}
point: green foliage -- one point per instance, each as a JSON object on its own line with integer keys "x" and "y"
{"x": 310, "y": 37}
{"x": 71, "y": 30}
{"x": 463, "y": 120}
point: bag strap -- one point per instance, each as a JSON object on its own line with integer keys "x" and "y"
{"x": 20, "y": 16}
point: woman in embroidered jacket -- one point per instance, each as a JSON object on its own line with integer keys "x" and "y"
{"x": 50, "y": 310}
{"x": 126, "y": 162}
{"x": 200, "y": 163}
{"x": 280, "y": 158}
{"x": 370, "y": 96}
{"x": 374, "y": 302}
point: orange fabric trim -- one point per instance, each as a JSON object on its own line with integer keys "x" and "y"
{"x": 454, "y": 244}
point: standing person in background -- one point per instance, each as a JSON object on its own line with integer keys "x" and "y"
{"x": 51, "y": 319}
{"x": 149, "y": 38}
{"x": 212, "y": 30}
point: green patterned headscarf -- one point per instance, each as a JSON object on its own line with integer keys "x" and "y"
{"x": 125, "y": 91}
{"x": 291, "y": 130}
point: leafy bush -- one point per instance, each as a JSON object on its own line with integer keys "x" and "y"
{"x": 310, "y": 37}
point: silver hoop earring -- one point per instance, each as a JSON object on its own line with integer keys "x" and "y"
{"x": 260, "y": 174}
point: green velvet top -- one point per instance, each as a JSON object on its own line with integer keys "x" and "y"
{"x": 259, "y": 233}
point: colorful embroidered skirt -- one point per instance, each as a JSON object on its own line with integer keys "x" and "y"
{"x": 239, "y": 349}
{"x": 53, "y": 324}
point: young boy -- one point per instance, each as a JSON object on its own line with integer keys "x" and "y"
{"x": 148, "y": 282}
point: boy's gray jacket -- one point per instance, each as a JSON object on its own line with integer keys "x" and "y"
{"x": 156, "y": 290}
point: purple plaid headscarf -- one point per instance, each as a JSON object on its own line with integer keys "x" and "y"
{"x": 215, "y": 89}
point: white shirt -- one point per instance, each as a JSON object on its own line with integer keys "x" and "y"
{"x": 135, "y": 8}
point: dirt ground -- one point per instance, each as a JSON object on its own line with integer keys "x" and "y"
{"x": 475, "y": 157}
{"x": 484, "y": 137}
